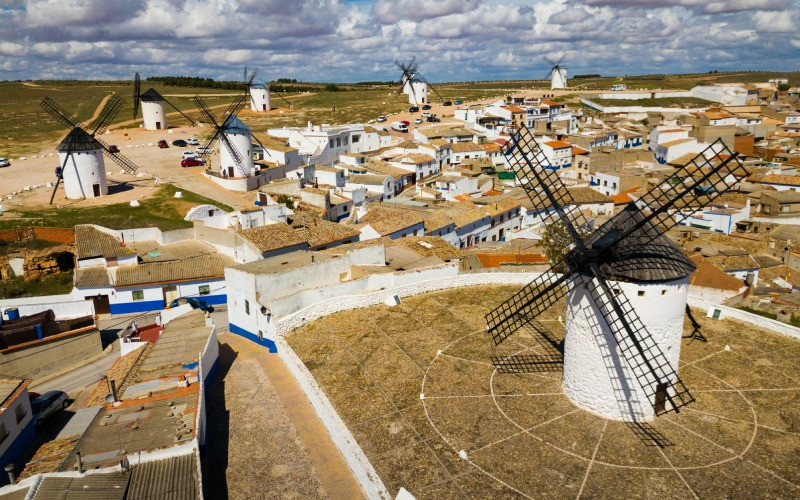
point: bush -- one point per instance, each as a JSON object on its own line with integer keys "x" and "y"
{"x": 760, "y": 313}
{"x": 783, "y": 87}
{"x": 331, "y": 88}
{"x": 286, "y": 201}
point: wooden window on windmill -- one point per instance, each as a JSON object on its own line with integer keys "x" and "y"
{"x": 247, "y": 307}
{"x": 640, "y": 293}
{"x": 616, "y": 290}
{"x": 664, "y": 291}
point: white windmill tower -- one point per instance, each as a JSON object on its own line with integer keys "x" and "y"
{"x": 413, "y": 84}
{"x": 558, "y": 73}
{"x": 259, "y": 97}
{"x": 81, "y": 153}
{"x": 236, "y": 155}
{"x": 625, "y": 284}
{"x": 154, "y": 109}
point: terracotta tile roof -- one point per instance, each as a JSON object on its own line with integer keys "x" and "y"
{"x": 548, "y": 102}
{"x": 382, "y": 168}
{"x": 514, "y": 109}
{"x": 491, "y": 147}
{"x": 89, "y": 277}
{"x": 588, "y": 195}
{"x": 427, "y": 246}
{"x": 502, "y": 206}
{"x": 463, "y": 197}
{"x": 708, "y": 275}
{"x": 206, "y": 266}
{"x": 90, "y": 242}
{"x": 464, "y": 213}
{"x": 789, "y": 180}
{"x": 387, "y": 221}
{"x": 783, "y": 272}
{"x": 466, "y": 147}
{"x": 734, "y": 262}
{"x": 272, "y": 236}
{"x": 558, "y": 144}
{"x": 318, "y": 232}
{"x": 417, "y": 158}
{"x": 625, "y": 196}
{"x": 493, "y": 192}
{"x": 579, "y": 151}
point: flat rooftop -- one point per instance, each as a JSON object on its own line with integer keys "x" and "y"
{"x": 283, "y": 262}
{"x": 521, "y": 435}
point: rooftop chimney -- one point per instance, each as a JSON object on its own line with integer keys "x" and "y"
{"x": 10, "y": 471}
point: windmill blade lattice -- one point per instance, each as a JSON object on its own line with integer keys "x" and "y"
{"x": 642, "y": 354}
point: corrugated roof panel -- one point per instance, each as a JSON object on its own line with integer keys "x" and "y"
{"x": 173, "y": 479}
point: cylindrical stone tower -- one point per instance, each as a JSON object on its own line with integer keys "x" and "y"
{"x": 259, "y": 97}
{"x": 238, "y": 134}
{"x": 154, "y": 111}
{"x": 85, "y": 172}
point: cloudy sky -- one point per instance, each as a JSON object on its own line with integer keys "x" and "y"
{"x": 356, "y": 40}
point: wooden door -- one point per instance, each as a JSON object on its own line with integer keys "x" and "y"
{"x": 101, "y": 305}
{"x": 96, "y": 189}
{"x": 170, "y": 294}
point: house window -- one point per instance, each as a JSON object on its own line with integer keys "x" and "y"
{"x": 204, "y": 289}
{"x": 338, "y": 142}
{"x": 331, "y": 142}
{"x": 356, "y": 138}
{"x": 138, "y": 294}
{"x": 19, "y": 412}
{"x": 247, "y": 307}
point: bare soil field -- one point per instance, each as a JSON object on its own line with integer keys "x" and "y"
{"x": 520, "y": 434}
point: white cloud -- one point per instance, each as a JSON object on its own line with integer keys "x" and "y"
{"x": 776, "y": 22}
{"x": 391, "y": 11}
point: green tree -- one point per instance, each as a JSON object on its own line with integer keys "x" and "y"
{"x": 555, "y": 244}
{"x": 286, "y": 201}
{"x": 783, "y": 87}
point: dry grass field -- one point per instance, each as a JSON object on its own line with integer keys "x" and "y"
{"x": 521, "y": 435}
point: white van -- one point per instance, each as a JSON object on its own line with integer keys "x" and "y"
{"x": 399, "y": 127}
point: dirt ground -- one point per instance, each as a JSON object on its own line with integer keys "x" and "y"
{"x": 522, "y": 436}
{"x": 137, "y": 144}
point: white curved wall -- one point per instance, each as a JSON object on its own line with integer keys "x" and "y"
{"x": 420, "y": 95}
{"x": 243, "y": 145}
{"x": 259, "y": 99}
{"x": 83, "y": 170}
{"x": 558, "y": 79}
{"x": 596, "y": 376}
{"x": 155, "y": 115}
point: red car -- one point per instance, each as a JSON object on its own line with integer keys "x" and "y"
{"x": 163, "y": 144}
{"x": 405, "y": 122}
{"x": 192, "y": 162}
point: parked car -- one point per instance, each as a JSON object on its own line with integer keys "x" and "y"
{"x": 418, "y": 121}
{"x": 188, "y": 154}
{"x": 192, "y": 141}
{"x": 413, "y": 109}
{"x": 112, "y": 148}
{"x": 434, "y": 119}
{"x": 399, "y": 127}
{"x": 447, "y": 103}
{"x": 203, "y": 150}
{"x": 163, "y": 144}
{"x": 192, "y": 162}
{"x": 195, "y": 303}
{"x": 458, "y": 101}
{"x": 47, "y": 405}
{"x": 426, "y": 106}
{"x": 382, "y": 118}
{"x": 5, "y": 162}
{"x": 426, "y": 114}
{"x": 180, "y": 143}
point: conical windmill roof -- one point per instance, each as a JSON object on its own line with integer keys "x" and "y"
{"x": 235, "y": 126}
{"x": 640, "y": 256}
{"x": 151, "y": 95}
{"x": 78, "y": 140}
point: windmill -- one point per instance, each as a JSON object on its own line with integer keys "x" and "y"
{"x": 558, "y": 73}
{"x": 81, "y": 152}
{"x": 625, "y": 285}
{"x": 413, "y": 83}
{"x": 236, "y": 154}
{"x": 154, "y": 112}
{"x": 260, "y": 93}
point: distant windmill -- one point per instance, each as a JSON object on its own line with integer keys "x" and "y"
{"x": 81, "y": 152}
{"x": 260, "y": 93}
{"x": 558, "y": 73}
{"x": 153, "y": 110}
{"x": 413, "y": 84}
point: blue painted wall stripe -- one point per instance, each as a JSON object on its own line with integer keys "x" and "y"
{"x": 238, "y": 330}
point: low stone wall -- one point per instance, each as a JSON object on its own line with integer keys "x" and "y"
{"x": 343, "y": 303}
{"x": 746, "y": 317}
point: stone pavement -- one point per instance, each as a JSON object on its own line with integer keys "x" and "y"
{"x": 265, "y": 439}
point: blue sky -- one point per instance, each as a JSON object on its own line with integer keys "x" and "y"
{"x": 354, "y": 40}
